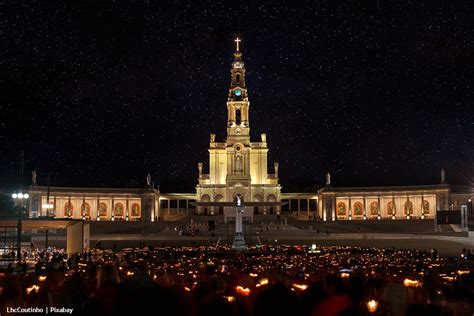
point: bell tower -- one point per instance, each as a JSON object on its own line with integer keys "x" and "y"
{"x": 238, "y": 166}
{"x": 238, "y": 128}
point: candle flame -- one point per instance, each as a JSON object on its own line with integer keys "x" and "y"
{"x": 32, "y": 288}
{"x": 372, "y": 306}
{"x": 244, "y": 291}
{"x": 412, "y": 283}
{"x": 300, "y": 287}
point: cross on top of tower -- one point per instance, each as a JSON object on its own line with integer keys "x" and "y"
{"x": 237, "y": 41}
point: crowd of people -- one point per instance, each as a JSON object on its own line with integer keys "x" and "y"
{"x": 278, "y": 280}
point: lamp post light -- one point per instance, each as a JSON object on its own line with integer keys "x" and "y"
{"x": 18, "y": 197}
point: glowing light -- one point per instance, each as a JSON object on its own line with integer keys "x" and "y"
{"x": 26, "y": 195}
{"x": 263, "y": 282}
{"x": 461, "y": 272}
{"x": 20, "y": 195}
{"x": 187, "y": 289}
{"x": 42, "y": 278}
{"x": 345, "y": 275}
{"x": 32, "y": 288}
{"x": 412, "y": 283}
{"x": 372, "y": 306}
{"x": 301, "y": 287}
{"x": 14, "y": 195}
{"x": 130, "y": 273}
{"x": 244, "y": 291}
{"x": 230, "y": 299}
{"x": 253, "y": 275}
{"x": 48, "y": 206}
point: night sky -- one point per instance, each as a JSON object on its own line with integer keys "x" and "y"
{"x": 99, "y": 93}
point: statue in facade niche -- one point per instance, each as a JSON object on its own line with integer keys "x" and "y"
{"x": 238, "y": 163}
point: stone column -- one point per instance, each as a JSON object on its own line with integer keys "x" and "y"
{"x": 112, "y": 217}
{"x": 307, "y": 208}
{"x": 379, "y": 210}
{"x": 365, "y": 206}
{"x": 169, "y": 207}
{"x": 69, "y": 215}
{"x": 239, "y": 242}
{"x": 97, "y": 209}
{"x": 422, "y": 209}
{"x": 54, "y": 207}
{"x": 350, "y": 208}
{"x": 319, "y": 208}
{"x": 324, "y": 208}
{"x": 187, "y": 206}
{"x": 127, "y": 211}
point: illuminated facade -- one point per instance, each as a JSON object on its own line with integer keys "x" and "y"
{"x": 238, "y": 165}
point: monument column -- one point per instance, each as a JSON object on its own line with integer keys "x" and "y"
{"x": 239, "y": 242}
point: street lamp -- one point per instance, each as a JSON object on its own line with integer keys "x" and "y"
{"x": 18, "y": 197}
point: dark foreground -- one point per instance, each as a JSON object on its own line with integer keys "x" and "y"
{"x": 262, "y": 281}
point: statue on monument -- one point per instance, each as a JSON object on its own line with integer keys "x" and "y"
{"x": 443, "y": 176}
{"x": 33, "y": 177}
{"x": 328, "y": 179}
{"x": 213, "y": 138}
{"x": 200, "y": 168}
{"x": 275, "y": 167}
{"x": 148, "y": 180}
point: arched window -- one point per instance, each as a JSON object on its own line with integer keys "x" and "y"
{"x": 374, "y": 208}
{"x": 118, "y": 210}
{"x": 391, "y": 208}
{"x": 358, "y": 208}
{"x": 426, "y": 206}
{"x": 408, "y": 207}
{"x": 68, "y": 209}
{"x": 86, "y": 210}
{"x": 237, "y": 78}
{"x": 341, "y": 209}
{"x": 237, "y": 117}
{"x": 102, "y": 209}
{"x": 135, "y": 209}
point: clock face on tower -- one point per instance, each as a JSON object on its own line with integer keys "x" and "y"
{"x": 238, "y": 93}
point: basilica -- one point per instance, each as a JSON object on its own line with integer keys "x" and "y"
{"x": 239, "y": 165}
